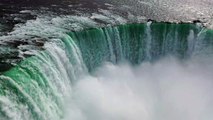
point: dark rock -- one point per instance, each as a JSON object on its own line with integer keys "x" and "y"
{"x": 39, "y": 42}
{"x": 196, "y": 21}
{"x": 16, "y": 43}
{"x": 5, "y": 66}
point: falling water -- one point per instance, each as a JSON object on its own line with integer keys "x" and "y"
{"x": 166, "y": 90}
{"x": 148, "y": 42}
{"x": 153, "y": 71}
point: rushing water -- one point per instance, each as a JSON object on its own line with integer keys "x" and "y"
{"x": 166, "y": 90}
{"x": 114, "y": 73}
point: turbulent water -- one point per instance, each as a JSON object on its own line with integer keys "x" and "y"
{"x": 70, "y": 79}
{"x": 106, "y": 60}
{"x": 166, "y": 90}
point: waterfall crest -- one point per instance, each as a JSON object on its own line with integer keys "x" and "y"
{"x": 37, "y": 87}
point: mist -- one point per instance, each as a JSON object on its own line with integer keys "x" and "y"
{"x": 168, "y": 89}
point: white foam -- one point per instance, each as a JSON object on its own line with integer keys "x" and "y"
{"x": 166, "y": 90}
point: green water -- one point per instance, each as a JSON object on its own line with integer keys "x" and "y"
{"x": 37, "y": 88}
{"x": 141, "y": 42}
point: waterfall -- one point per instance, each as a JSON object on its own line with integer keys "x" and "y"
{"x": 37, "y": 88}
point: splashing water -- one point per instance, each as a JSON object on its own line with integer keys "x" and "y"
{"x": 69, "y": 80}
{"x": 165, "y": 90}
